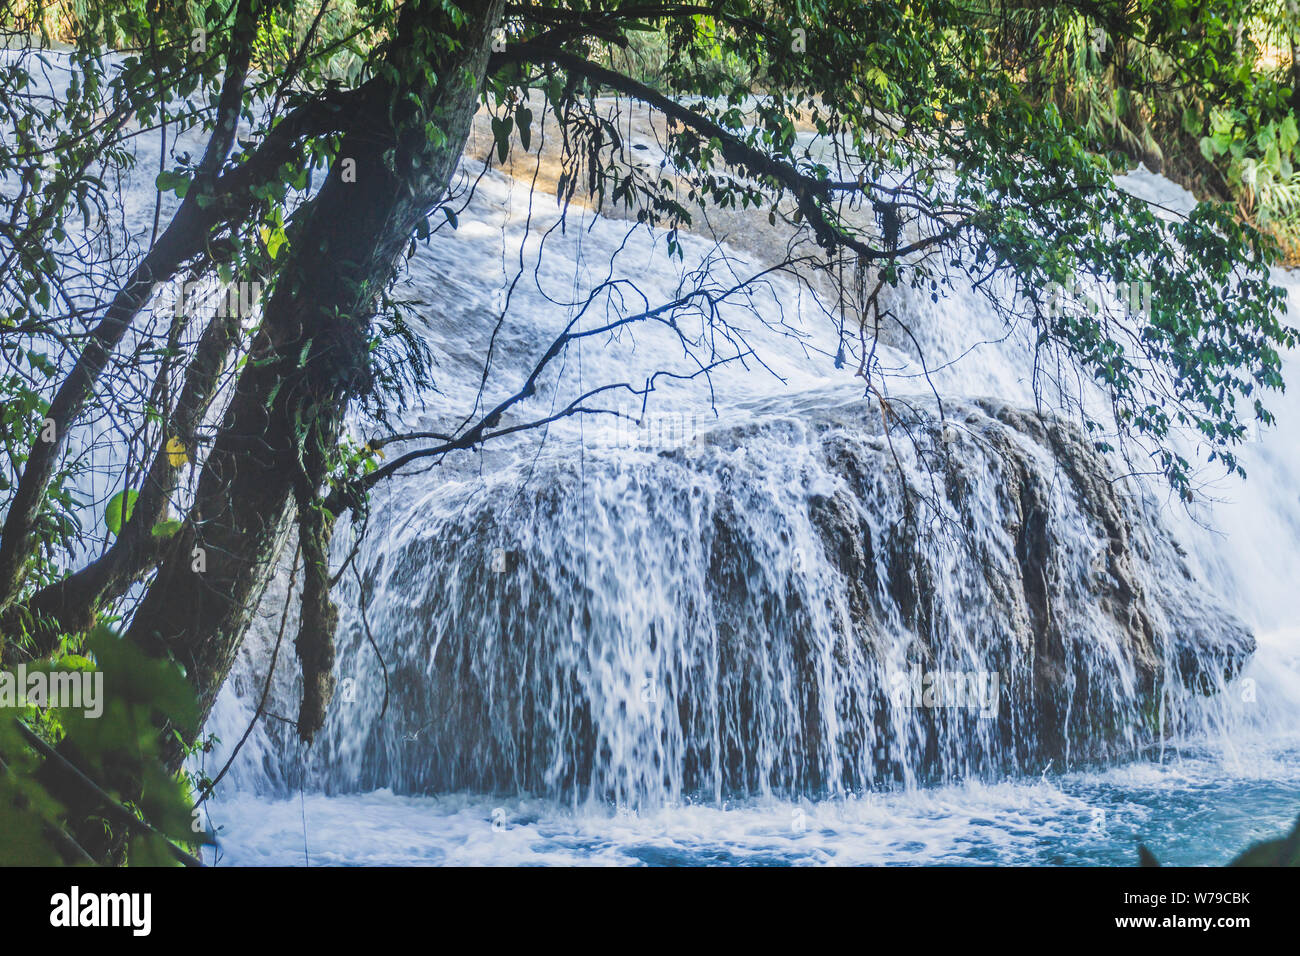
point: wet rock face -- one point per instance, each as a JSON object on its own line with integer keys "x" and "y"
{"x": 1092, "y": 597}
{"x": 830, "y": 601}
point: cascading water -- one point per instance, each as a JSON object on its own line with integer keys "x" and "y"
{"x": 744, "y": 616}
{"x": 701, "y": 640}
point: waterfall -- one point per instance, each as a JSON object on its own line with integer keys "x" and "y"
{"x": 707, "y": 637}
{"x": 751, "y": 593}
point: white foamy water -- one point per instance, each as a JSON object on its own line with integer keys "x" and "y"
{"x": 1190, "y": 810}
{"x": 370, "y": 791}
{"x": 587, "y": 705}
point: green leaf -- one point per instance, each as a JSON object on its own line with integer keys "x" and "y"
{"x": 167, "y": 529}
{"x": 173, "y": 182}
{"x": 274, "y": 239}
{"x": 118, "y": 511}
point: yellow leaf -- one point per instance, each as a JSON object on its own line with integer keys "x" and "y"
{"x": 176, "y": 452}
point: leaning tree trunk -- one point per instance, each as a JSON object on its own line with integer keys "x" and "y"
{"x": 311, "y": 353}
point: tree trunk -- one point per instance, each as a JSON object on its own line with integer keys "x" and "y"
{"x": 311, "y": 354}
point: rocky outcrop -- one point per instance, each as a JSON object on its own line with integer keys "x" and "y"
{"x": 819, "y": 601}
{"x": 1093, "y": 600}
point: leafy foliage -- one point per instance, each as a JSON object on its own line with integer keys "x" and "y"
{"x": 980, "y": 135}
{"x": 1206, "y": 92}
{"x": 904, "y": 143}
{"x": 1003, "y": 169}
{"x": 119, "y": 749}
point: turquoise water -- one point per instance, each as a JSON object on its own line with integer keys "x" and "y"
{"x": 1192, "y": 808}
